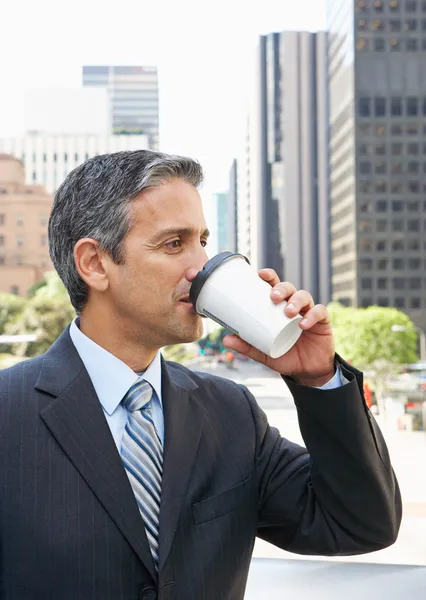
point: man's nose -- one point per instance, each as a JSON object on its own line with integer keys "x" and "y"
{"x": 192, "y": 272}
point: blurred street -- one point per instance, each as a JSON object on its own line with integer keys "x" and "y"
{"x": 407, "y": 450}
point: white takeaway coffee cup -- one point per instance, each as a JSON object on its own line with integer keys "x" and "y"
{"x": 230, "y": 291}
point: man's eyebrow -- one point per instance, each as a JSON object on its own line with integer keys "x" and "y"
{"x": 179, "y": 231}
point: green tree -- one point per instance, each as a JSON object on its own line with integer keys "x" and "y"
{"x": 364, "y": 335}
{"x": 46, "y": 318}
{"x": 11, "y": 307}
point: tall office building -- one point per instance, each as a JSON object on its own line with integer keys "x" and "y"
{"x": 377, "y": 74}
{"x": 134, "y": 97}
{"x": 283, "y": 196}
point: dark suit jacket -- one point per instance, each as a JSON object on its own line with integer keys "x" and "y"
{"x": 70, "y": 526}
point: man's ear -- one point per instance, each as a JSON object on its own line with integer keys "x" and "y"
{"x": 90, "y": 264}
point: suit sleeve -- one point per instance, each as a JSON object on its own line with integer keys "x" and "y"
{"x": 340, "y": 495}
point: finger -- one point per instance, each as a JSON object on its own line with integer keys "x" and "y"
{"x": 283, "y": 291}
{"x": 317, "y": 314}
{"x": 236, "y": 343}
{"x": 270, "y": 276}
{"x": 300, "y": 302}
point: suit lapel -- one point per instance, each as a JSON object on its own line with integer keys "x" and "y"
{"x": 183, "y": 421}
{"x": 75, "y": 418}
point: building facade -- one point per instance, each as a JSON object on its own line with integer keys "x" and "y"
{"x": 288, "y": 161}
{"x": 24, "y": 215}
{"x": 133, "y": 92}
{"x": 377, "y": 74}
{"x": 48, "y": 159}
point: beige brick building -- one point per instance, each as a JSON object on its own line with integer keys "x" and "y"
{"x": 24, "y": 215}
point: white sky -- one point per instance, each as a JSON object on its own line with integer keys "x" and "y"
{"x": 203, "y": 50}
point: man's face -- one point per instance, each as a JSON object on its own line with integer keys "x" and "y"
{"x": 162, "y": 253}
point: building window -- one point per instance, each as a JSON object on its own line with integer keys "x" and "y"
{"x": 381, "y": 245}
{"x": 414, "y": 283}
{"x": 412, "y": 45}
{"x": 414, "y": 263}
{"x": 383, "y": 302}
{"x": 397, "y": 168}
{"x": 394, "y": 6}
{"x": 367, "y": 283}
{"x": 381, "y": 225}
{"x": 410, "y": 25}
{"x": 381, "y": 187}
{"x": 396, "y": 106}
{"x": 366, "y": 226}
{"x": 411, "y": 5}
{"x": 361, "y": 7}
{"x": 415, "y": 303}
{"x": 395, "y": 25}
{"x": 413, "y": 166}
{"x": 366, "y": 207}
{"x": 366, "y": 264}
{"x": 399, "y": 283}
{"x": 396, "y": 129}
{"x": 362, "y": 45}
{"x": 381, "y": 205}
{"x": 398, "y": 226}
{"x": 424, "y": 5}
{"x": 65, "y": 157}
{"x": 364, "y": 107}
{"x": 412, "y": 106}
{"x": 398, "y": 245}
{"x": 43, "y": 240}
{"x": 1, "y": 240}
{"x": 55, "y": 157}
{"x": 413, "y": 205}
{"x": 413, "y": 148}
{"x": 380, "y": 107}
{"x": 19, "y": 261}
{"x": 413, "y": 226}
{"x": 379, "y": 45}
{"x": 364, "y": 130}
{"x": 362, "y": 25}
{"x": 378, "y": 6}
{"x": 396, "y": 149}
{"x": 398, "y": 264}
{"x": 395, "y": 45}
{"x": 413, "y": 245}
{"x": 412, "y": 129}
{"x": 396, "y": 187}
{"x": 2, "y": 219}
{"x": 366, "y": 302}
{"x": 424, "y": 24}
{"x": 380, "y": 149}
{"x": 366, "y": 246}
{"x": 44, "y": 157}
{"x": 381, "y": 168}
{"x": 413, "y": 187}
{"x": 14, "y": 290}
{"x": 377, "y": 25}
{"x": 400, "y": 302}
{"x": 365, "y": 168}
{"x": 382, "y": 283}
{"x": 19, "y": 241}
{"x": 43, "y": 220}
{"x": 382, "y": 264}
{"x": 364, "y": 149}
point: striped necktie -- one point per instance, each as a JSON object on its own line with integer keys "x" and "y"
{"x": 142, "y": 455}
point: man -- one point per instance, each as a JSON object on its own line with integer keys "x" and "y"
{"x": 124, "y": 476}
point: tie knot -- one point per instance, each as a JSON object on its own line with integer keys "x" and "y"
{"x": 138, "y": 396}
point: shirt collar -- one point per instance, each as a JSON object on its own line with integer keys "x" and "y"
{"x": 110, "y": 376}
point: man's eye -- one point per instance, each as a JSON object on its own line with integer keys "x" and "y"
{"x": 174, "y": 244}
{"x": 204, "y": 243}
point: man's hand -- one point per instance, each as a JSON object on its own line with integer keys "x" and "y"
{"x": 311, "y": 360}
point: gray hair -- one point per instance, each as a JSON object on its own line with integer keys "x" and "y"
{"x": 94, "y": 202}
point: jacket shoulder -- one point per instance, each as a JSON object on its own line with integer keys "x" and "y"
{"x": 26, "y": 370}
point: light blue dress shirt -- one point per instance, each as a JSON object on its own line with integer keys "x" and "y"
{"x": 112, "y": 379}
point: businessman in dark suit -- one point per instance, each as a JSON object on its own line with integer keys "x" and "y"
{"x": 126, "y": 477}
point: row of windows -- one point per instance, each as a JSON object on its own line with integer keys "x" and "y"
{"x": 397, "y": 264}
{"x": 397, "y": 225}
{"x": 395, "y": 106}
{"x": 391, "y": 25}
{"x": 367, "y": 129}
{"x": 19, "y": 261}
{"x": 386, "y": 245}
{"x": 20, "y": 220}
{"x": 399, "y": 302}
{"x": 396, "y": 149}
{"x": 395, "y": 187}
{"x": 65, "y": 157}
{"x": 395, "y": 168}
{"x": 397, "y": 283}
{"x": 394, "y": 6}
{"x": 382, "y": 205}
{"x": 394, "y": 44}
{"x": 20, "y": 241}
